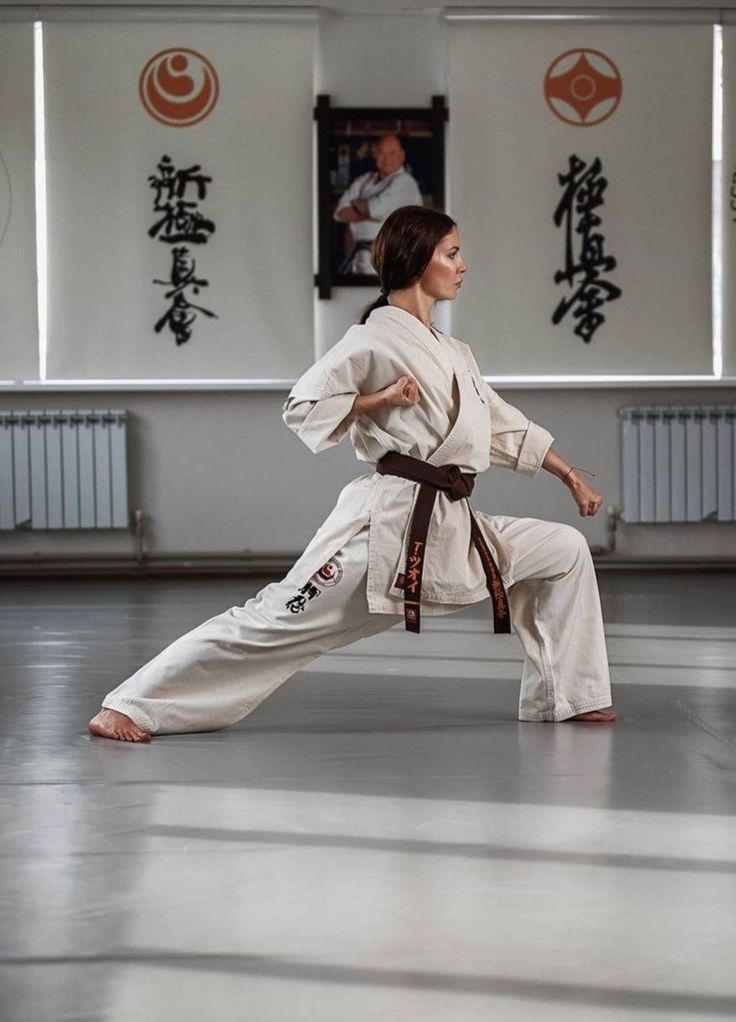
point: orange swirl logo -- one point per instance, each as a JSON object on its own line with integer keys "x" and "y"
{"x": 583, "y": 87}
{"x": 179, "y": 87}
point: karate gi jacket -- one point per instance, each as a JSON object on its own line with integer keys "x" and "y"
{"x": 459, "y": 420}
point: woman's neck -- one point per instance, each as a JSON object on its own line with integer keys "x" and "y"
{"x": 415, "y": 302}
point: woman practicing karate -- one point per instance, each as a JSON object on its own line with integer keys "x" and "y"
{"x": 402, "y": 539}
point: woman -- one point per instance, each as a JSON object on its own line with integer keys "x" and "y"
{"x": 402, "y": 538}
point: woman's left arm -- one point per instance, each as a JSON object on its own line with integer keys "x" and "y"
{"x": 587, "y": 498}
{"x": 524, "y": 446}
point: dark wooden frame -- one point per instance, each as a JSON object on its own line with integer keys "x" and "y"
{"x": 324, "y": 115}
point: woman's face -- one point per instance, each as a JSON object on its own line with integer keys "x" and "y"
{"x": 443, "y": 277}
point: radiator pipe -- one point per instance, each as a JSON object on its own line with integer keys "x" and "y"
{"x": 613, "y": 517}
{"x": 241, "y": 563}
{"x": 129, "y": 569}
{"x": 138, "y": 524}
{"x": 247, "y": 564}
{"x": 267, "y": 565}
{"x": 239, "y": 557}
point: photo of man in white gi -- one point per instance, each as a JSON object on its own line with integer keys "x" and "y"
{"x": 370, "y": 198}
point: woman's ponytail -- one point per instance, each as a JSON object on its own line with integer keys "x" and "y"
{"x": 379, "y": 302}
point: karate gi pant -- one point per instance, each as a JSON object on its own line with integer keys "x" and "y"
{"x": 222, "y": 670}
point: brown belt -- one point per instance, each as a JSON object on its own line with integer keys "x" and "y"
{"x": 458, "y": 486}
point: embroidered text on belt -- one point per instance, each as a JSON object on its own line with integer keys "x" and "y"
{"x": 458, "y": 486}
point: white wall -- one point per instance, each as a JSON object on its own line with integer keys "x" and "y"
{"x": 219, "y": 472}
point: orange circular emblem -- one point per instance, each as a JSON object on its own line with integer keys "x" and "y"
{"x": 179, "y": 87}
{"x": 583, "y": 87}
{"x": 329, "y": 574}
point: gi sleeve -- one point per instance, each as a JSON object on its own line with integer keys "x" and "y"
{"x": 516, "y": 442}
{"x": 323, "y": 396}
{"x": 350, "y": 193}
{"x": 402, "y": 191}
{"x": 318, "y": 423}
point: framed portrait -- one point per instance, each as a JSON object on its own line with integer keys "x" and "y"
{"x": 371, "y": 161}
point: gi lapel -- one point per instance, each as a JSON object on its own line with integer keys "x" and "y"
{"x": 460, "y": 432}
{"x": 409, "y": 328}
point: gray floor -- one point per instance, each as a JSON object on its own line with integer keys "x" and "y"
{"x": 381, "y": 839}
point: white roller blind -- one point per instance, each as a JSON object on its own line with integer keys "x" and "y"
{"x": 728, "y": 199}
{"x": 217, "y": 133}
{"x": 18, "y": 313}
{"x": 640, "y": 195}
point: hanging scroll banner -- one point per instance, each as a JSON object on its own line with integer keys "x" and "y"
{"x": 179, "y": 180}
{"x": 580, "y": 176}
{"x": 18, "y": 302}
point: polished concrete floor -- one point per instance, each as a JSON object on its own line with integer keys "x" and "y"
{"x": 382, "y": 839}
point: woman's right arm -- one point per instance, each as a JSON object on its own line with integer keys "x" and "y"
{"x": 403, "y": 392}
{"x": 323, "y": 422}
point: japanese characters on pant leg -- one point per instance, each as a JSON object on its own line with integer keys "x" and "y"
{"x": 329, "y": 575}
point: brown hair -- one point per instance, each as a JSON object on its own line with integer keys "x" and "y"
{"x": 404, "y": 247}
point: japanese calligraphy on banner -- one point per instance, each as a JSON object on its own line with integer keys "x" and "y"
{"x": 181, "y": 225}
{"x": 179, "y": 191}
{"x": 580, "y": 177}
{"x": 728, "y": 197}
{"x": 18, "y": 317}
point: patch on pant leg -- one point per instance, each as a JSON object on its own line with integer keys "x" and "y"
{"x": 329, "y": 574}
{"x": 297, "y": 603}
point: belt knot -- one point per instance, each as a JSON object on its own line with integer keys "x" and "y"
{"x": 459, "y": 484}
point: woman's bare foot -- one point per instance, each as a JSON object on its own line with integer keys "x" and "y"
{"x": 595, "y": 717}
{"x": 112, "y": 724}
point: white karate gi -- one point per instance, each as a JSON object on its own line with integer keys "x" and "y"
{"x": 343, "y": 587}
{"x": 384, "y": 195}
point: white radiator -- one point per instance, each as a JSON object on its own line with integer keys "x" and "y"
{"x": 678, "y": 463}
{"x": 63, "y": 470}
